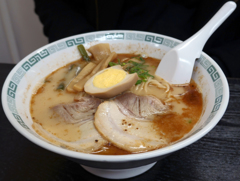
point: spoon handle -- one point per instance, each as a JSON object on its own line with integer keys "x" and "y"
{"x": 199, "y": 39}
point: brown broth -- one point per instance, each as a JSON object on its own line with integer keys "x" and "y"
{"x": 176, "y": 126}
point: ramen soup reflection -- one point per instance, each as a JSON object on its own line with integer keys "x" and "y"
{"x": 174, "y": 111}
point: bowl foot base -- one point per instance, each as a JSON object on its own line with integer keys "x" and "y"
{"x": 118, "y": 173}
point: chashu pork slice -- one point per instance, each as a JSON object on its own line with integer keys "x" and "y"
{"x": 142, "y": 107}
{"x": 78, "y": 112}
{"x": 90, "y": 140}
{"x": 126, "y": 133}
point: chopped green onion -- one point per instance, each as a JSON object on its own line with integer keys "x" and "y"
{"x": 119, "y": 62}
{"x": 71, "y": 67}
{"x": 83, "y": 53}
{"x": 138, "y": 82}
{"x": 139, "y": 57}
{"x": 61, "y": 86}
{"x": 135, "y": 67}
{"x": 112, "y": 64}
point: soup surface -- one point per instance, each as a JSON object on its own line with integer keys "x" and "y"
{"x": 184, "y": 108}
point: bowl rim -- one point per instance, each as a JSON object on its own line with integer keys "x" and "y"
{"x": 117, "y": 158}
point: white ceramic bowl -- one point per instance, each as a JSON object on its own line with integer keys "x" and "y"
{"x": 30, "y": 72}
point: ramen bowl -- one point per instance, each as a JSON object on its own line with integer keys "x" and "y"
{"x": 30, "y": 72}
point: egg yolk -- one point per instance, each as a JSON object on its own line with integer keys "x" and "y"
{"x": 108, "y": 78}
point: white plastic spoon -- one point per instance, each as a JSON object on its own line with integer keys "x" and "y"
{"x": 177, "y": 65}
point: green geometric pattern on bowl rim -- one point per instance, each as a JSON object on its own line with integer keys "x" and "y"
{"x": 27, "y": 65}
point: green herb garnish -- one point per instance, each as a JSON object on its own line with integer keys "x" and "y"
{"x": 135, "y": 67}
{"x": 139, "y": 57}
{"x": 112, "y": 64}
{"x": 83, "y": 53}
{"x": 61, "y": 86}
{"x": 138, "y": 82}
{"x": 71, "y": 67}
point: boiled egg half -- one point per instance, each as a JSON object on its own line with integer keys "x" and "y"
{"x": 110, "y": 82}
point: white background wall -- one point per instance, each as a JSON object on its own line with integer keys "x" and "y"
{"x": 20, "y": 30}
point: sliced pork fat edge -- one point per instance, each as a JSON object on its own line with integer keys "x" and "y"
{"x": 90, "y": 140}
{"x": 124, "y": 132}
